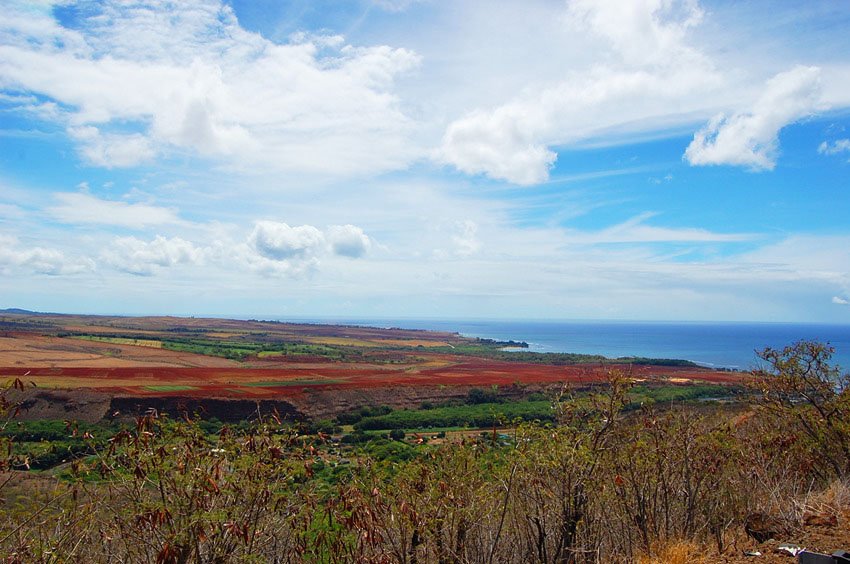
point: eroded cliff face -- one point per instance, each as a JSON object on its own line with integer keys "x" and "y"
{"x": 226, "y": 410}
{"x": 79, "y": 405}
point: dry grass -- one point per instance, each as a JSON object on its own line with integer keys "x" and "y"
{"x": 35, "y": 351}
{"x": 834, "y": 500}
{"x": 676, "y": 552}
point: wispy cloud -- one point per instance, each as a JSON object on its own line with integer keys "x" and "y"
{"x": 81, "y": 208}
{"x": 635, "y": 230}
{"x": 751, "y": 138}
{"x": 834, "y": 148}
{"x": 111, "y": 150}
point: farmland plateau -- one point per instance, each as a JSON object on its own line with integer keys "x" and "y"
{"x": 87, "y": 365}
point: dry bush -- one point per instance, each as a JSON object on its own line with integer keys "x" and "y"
{"x": 599, "y": 486}
{"x": 164, "y": 493}
{"x": 674, "y": 476}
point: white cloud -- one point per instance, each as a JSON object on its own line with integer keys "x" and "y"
{"x": 278, "y": 249}
{"x": 642, "y": 31}
{"x": 10, "y": 211}
{"x": 466, "y": 240}
{"x": 498, "y": 145}
{"x": 112, "y": 151}
{"x": 279, "y": 268}
{"x": 348, "y": 241}
{"x": 635, "y": 230}
{"x": 751, "y": 138}
{"x": 394, "y": 5}
{"x": 834, "y": 148}
{"x": 39, "y": 260}
{"x": 187, "y": 76}
{"x": 144, "y": 258}
{"x": 804, "y": 257}
{"x": 840, "y": 301}
{"x": 279, "y": 241}
{"x": 650, "y": 75}
{"x": 86, "y": 209}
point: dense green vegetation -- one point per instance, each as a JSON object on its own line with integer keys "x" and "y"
{"x": 565, "y": 359}
{"x": 643, "y": 395}
{"x": 483, "y": 408}
{"x": 480, "y": 415}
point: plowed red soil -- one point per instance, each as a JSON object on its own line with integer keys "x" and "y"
{"x": 399, "y": 367}
{"x": 293, "y": 381}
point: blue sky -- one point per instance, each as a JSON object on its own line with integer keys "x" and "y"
{"x": 581, "y": 159}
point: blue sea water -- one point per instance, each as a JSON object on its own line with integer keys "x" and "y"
{"x": 727, "y": 345}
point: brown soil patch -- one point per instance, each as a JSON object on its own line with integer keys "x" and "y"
{"x": 37, "y": 351}
{"x": 820, "y": 539}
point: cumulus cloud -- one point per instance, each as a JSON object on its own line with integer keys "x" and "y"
{"x": 39, "y": 260}
{"x": 144, "y": 258}
{"x": 650, "y": 75}
{"x": 751, "y": 138}
{"x": 279, "y": 241}
{"x": 840, "y": 301}
{"x": 135, "y": 81}
{"x": 84, "y": 208}
{"x": 348, "y": 241}
{"x": 280, "y": 249}
{"x": 497, "y": 145}
{"x": 834, "y": 148}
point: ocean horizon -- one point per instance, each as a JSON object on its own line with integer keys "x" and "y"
{"x": 730, "y": 345}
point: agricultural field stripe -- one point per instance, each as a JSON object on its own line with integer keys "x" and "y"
{"x": 282, "y": 383}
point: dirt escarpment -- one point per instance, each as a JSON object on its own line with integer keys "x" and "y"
{"x": 91, "y": 407}
{"x": 79, "y": 405}
{"x": 227, "y": 410}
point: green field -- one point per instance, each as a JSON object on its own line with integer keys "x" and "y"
{"x": 170, "y": 388}
{"x": 152, "y": 343}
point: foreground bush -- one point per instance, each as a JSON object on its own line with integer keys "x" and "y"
{"x": 597, "y": 485}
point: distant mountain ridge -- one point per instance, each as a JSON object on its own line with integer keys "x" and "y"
{"x": 21, "y": 311}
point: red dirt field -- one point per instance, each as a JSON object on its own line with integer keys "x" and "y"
{"x": 68, "y": 373}
{"x": 271, "y": 383}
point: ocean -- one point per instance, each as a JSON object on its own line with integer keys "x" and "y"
{"x": 720, "y": 345}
